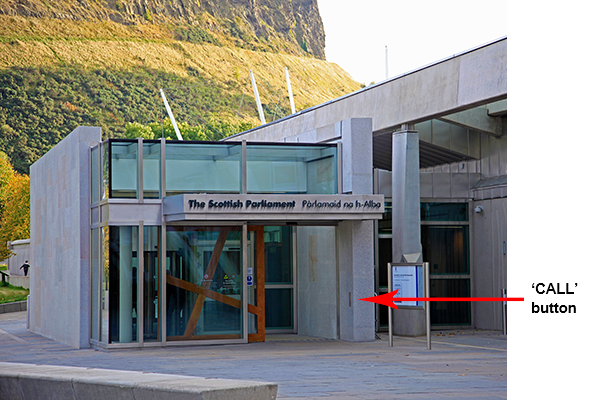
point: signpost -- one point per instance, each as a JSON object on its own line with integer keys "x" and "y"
{"x": 409, "y": 280}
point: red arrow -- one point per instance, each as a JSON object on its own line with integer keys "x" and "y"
{"x": 388, "y": 299}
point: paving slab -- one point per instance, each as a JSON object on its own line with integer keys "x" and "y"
{"x": 461, "y": 365}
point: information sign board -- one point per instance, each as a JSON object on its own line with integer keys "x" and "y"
{"x": 406, "y": 279}
{"x": 411, "y": 281}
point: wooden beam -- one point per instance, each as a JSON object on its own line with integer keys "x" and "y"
{"x": 210, "y": 271}
{"x": 259, "y": 336}
{"x": 211, "y": 294}
{"x": 204, "y": 337}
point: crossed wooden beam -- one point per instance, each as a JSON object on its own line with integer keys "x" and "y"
{"x": 204, "y": 292}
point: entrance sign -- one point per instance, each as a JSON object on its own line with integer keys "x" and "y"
{"x": 276, "y": 207}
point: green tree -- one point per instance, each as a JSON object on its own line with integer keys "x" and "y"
{"x": 14, "y": 198}
{"x": 6, "y": 175}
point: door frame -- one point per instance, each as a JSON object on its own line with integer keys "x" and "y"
{"x": 259, "y": 275}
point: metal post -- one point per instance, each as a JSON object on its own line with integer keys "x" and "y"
{"x": 390, "y": 324}
{"x": 427, "y": 304}
{"x": 290, "y": 94}
{"x": 244, "y": 285}
{"x": 340, "y": 175}
{"x": 257, "y": 98}
{"x": 140, "y": 285}
{"x": 244, "y": 169}
{"x": 171, "y": 117}
{"x": 140, "y": 168}
{"x": 504, "y": 312}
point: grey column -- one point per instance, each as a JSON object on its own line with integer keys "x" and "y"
{"x": 356, "y": 258}
{"x": 406, "y": 218}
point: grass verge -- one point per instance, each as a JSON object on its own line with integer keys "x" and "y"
{"x": 10, "y": 294}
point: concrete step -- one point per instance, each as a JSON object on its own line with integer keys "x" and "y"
{"x": 32, "y": 382}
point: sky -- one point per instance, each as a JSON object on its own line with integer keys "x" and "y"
{"x": 416, "y": 33}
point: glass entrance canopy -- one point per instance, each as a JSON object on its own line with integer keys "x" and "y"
{"x": 146, "y": 169}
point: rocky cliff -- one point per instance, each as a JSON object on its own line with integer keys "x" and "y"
{"x": 290, "y": 26}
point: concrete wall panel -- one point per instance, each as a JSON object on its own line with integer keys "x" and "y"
{"x": 486, "y": 72}
{"x": 489, "y": 261}
{"x": 317, "y": 276}
{"x": 60, "y": 250}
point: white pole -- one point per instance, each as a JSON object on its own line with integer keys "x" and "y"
{"x": 386, "y": 63}
{"x": 290, "y": 94}
{"x": 257, "y": 98}
{"x": 171, "y": 117}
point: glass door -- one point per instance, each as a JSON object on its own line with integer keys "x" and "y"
{"x": 279, "y": 280}
{"x": 151, "y": 284}
{"x": 204, "y": 283}
{"x": 445, "y": 241}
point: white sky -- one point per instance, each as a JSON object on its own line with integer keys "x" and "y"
{"x": 416, "y": 32}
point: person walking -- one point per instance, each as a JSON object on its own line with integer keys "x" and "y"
{"x": 25, "y": 267}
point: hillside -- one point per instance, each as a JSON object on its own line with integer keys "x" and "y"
{"x": 291, "y": 26}
{"x": 103, "y": 62}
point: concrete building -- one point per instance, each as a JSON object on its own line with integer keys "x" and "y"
{"x": 284, "y": 227}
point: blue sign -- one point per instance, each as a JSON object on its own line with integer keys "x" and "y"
{"x": 249, "y": 280}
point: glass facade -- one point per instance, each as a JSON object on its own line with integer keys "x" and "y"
{"x": 204, "y": 283}
{"x": 445, "y": 313}
{"x": 203, "y": 168}
{"x": 207, "y": 167}
{"x": 117, "y": 283}
{"x": 122, "y": 284}
{"x": 445, "y": 241}
{"x": 94, "y": 181}
{"x": 151, "y": 169}
{"x": 124, "y": 170}
{"x": 385, "y": 223}
{"x": 95, "y": 279}
{"x": 279, "y": 278}
{"x": 104, "y": 283}
{"x": 151, "y": 284}
{"x": 280, "y": 309}
{"x": 445, "y": 212}
{"x": 445, "y": 244}
{"x": 291, "y": 169}
{"x": 105, "y": 171}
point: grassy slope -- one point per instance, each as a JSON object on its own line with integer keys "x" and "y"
{"x": 49, "y": 42}
{"x": 9, "y": 293}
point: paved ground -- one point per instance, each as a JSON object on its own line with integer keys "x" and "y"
{"x": 461, "y": 364}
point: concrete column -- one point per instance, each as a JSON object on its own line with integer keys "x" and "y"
{"x": 356, "y": 280}
{"x": 356, "y": 258}
{"x": 406, "y": 218}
